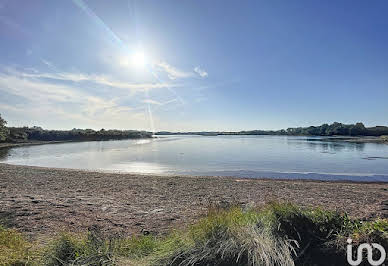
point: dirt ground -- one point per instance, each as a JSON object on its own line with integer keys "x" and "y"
{"x": 43, "y": 201}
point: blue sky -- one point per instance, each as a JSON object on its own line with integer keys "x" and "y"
{"x": 193, "y": 65}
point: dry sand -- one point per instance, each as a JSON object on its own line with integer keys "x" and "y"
{"x": 42, "y": 201}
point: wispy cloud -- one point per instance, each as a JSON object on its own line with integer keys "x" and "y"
{"x": 97, "y": 79}
{"x": 200, "y": 72}
{"x": 65, "y": 105}
{"x": 172, "y": 72}
{"x": 62, "y": 99}
{"x": 175, "y": 73}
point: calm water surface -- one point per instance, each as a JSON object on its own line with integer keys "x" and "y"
{"x": 244, "y": 156}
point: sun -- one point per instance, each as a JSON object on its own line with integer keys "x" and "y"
{"x": 139, "y": 59}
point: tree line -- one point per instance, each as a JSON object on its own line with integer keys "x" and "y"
{"x": 334, "y": 129}
{"x": 339, "y": 129}
{"x": 23, "y": 134}
{"x": 20, "y": 134}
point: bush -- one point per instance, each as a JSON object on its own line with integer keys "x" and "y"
{"x": 4, "y": 132}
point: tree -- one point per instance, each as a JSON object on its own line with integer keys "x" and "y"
{"x": 3, "y": 129}
{"x": 323, "y": 129}
{"x": 357, "y": 129}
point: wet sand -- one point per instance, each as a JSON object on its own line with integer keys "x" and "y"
{"x": 43, "y": 201}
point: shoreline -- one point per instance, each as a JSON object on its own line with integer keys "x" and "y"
{"x": 8, "y": 145}
{"x": 43, "y": 201}
{"x": 234, "y": 177}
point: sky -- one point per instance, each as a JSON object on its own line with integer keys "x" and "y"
{"x": 193, "y": 65}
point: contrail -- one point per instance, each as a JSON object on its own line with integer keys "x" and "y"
{"x": 170, "y": 89}
{"x": 150, "y": 113}
{"x": 81, "y": 4}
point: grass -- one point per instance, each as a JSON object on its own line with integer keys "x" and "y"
{"x": 274, "y": 234}
{"x": 90, "y": 249}
{"x": 15, "y": 249}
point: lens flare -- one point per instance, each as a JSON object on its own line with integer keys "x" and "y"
{"x": 139, "y": 59}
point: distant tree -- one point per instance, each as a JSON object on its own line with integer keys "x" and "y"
{"x": 3, "y": 129}
{"x": 336, "y": 129}
{"x": 339, "y": 129}
{"x": 323, "y": 129}
{"x": 282, "y": 132}
{"x": 312, "y": 131}
{"x": 357, "y": 130}
{"x": 377, "y": 131}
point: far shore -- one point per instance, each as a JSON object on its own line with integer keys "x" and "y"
{"x": 42, "y": 201}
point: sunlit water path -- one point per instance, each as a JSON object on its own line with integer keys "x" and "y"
{"x": 243, "y": 156}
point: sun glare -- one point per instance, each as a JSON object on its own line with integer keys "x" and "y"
{"x": 139, "y": 59}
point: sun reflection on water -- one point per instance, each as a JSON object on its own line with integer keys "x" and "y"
{"x": 140, "y": 167}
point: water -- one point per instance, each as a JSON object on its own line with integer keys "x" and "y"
{"x": 243, "y": 156}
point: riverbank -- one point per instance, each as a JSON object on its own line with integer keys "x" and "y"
{"x": 6, "y": 145}
{"x": 43, "y": 201}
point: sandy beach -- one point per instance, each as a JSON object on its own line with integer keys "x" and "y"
{"x": 43, "y": 201}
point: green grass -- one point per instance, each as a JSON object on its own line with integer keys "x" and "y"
{"x": 90, "y": 249}
{"x": 274, "y": 234}
{"x": 15, "y": 249}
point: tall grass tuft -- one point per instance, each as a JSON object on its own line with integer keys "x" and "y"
{"x": 94, "y": 249}
{"x": 277, "y": 234}
{"x": 226, "y": 237}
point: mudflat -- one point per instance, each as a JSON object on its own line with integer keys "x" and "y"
{"x": 44, "y": 201}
